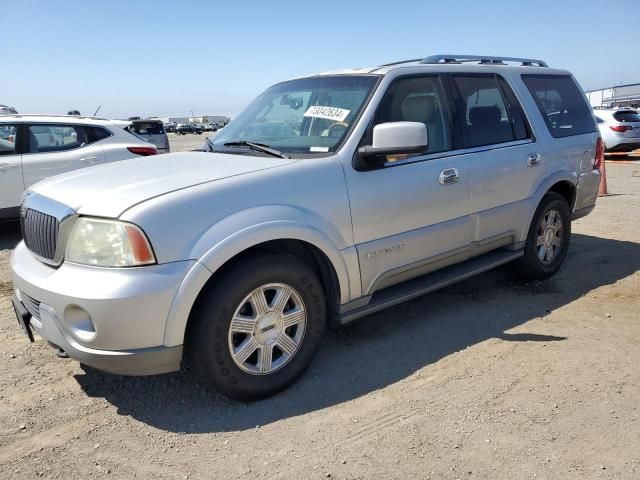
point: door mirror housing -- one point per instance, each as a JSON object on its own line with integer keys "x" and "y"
{"x": 396, "y": 138}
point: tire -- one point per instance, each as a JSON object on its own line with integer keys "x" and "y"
{"x": 219, "y": 351}
{"x": 542, "y": 261}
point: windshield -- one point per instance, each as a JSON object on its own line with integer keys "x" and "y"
{"x": 305, "y": 116}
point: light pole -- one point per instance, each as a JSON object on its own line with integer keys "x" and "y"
{"x": 192, "y": 119}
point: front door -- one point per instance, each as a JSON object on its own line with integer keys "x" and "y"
{"x": 11, "y": 183}
{"x": 407, "y": 218}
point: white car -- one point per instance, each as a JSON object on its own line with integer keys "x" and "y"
{"x": 35, "y": 147}
{"x": 620, "y": 129}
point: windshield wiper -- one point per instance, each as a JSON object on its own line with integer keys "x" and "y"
{"x": 258, "y": 147}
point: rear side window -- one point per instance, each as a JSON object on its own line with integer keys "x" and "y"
{"x": 561, "y": 104}
{"x": 627, "y": 116}
{"x": 7, "y": 139}
{"x": 487, "y": 114}
{"x": 60, "y": 137}
{"x": 96, "y": 134}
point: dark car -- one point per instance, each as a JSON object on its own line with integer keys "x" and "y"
{"x": 189, "y": 128}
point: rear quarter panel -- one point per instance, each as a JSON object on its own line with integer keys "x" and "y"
{"x": 565, "y": 159}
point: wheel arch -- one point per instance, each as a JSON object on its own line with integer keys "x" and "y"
{"x": 567, "y": 190}
{"x": 563, "y": 183}
{"x": 333, "y": 266}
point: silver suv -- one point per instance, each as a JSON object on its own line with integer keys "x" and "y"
{"x": 331, "y": 197}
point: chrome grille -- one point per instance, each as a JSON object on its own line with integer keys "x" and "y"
{"x": 40, "y": 233}
{"x": 32, "y": 305}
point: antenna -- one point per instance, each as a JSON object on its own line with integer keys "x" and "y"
{"x": 97, "y": 110}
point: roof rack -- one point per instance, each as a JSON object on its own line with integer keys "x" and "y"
{"x": 483, "y": 60}
{"x": 81, "y": 117}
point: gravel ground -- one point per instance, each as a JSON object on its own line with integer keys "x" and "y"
{"x": 184, "y": 143}
{"x": 490, "y": 378}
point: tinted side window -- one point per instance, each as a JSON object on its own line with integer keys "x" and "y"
{"x": 96, "y": 134}
{"x": 60, "y": 137}
{"x": 519, "y": 124}
{"x": 7, "y": 139}
{"x": 485, "y": 113}
{"x": 419, "y": 99}
{"x": 561, "y": 104}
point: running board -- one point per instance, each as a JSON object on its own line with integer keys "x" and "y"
{"x": 416, "y": 287}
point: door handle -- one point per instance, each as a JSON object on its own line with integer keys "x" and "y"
{"x": 449, "y": 176}
{"x": 7, "y": 166}
{"x": 88, "y": 159}
{"x": 534, "y": 159}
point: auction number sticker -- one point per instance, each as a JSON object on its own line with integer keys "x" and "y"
{"x": 330, "y": 113}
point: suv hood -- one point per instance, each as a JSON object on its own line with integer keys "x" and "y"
{"x": 108, "y": 190}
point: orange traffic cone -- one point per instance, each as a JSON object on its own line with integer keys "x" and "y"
{"x": 602, "y": 190}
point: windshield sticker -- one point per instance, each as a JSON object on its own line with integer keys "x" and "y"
{"x": 319, "y": 149}
{"x": 330, "y": 113}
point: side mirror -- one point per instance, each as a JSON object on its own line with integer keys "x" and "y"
{"x": 396, "y": 138}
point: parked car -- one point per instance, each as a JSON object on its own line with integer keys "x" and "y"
{"x": 34, "y": 147}
{"x": 183, "y": 129}
{"x": 5, "y": 110}
{"x": 389, "y": 183}
{"x": 170, "y": 127}
{"x": 620, "y": 129}
{"x": 153, "y": 132}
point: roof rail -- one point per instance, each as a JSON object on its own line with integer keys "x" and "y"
{"x": 82, "y": 117}
{"x": 483, "y": 59}
{"x": 399, "y": 62}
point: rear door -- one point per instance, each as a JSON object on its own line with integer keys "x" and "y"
{"x": 11, "y": 183}
{"x": 506, "y": 163}
{"x": 53, "y": 149}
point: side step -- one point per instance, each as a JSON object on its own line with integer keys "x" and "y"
{"x": 416, "y": 287}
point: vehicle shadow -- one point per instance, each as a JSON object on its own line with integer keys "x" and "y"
{"x": 10, "y": 234}
{"x": 381, "y": 349}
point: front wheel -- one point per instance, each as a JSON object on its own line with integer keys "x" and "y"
{"x": 256, "y": 329}
{"x": 548, "y": 239}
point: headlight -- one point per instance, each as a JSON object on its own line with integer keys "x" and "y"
{"x": 108, "y": 243}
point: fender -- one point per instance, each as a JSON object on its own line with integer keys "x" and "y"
{"x": 536, "y": 198}
{"x": 241, "y": 231}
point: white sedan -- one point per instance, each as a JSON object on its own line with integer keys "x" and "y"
{"x": 620, "y": 129}
{"x": 35, "y": 147}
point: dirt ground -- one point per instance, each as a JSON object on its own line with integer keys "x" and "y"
{"x": 491, "y": 378}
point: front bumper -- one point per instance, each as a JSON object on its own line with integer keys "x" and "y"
{"x": 111, "y": 319}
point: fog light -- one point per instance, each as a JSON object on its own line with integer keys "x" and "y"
{"x": 79, "y": 322}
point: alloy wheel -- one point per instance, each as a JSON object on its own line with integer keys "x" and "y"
{"x": 549, "y": 236}
{"x": 267, "y": 328}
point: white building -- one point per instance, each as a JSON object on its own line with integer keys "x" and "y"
{"x": 618, "y": 96}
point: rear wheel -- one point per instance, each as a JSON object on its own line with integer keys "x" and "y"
{"x": 548, "y": 239}
{"x": 256, "y": 329}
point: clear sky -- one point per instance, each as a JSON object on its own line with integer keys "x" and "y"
{"x": 162, "y": 58}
